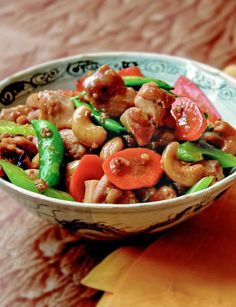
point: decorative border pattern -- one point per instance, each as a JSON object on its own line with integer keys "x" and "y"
{"x": 170, "y": 67}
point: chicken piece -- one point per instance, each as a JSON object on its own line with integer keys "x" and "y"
{"x": 162, "y": 137}
{"x": 72, "y": 146}
{"x": 106, "y": 91}
{"x": 17, "y": 150}
{"x": 223, "y": 136}
{"x": 139, "y": 124}
{"x": 21, "y": 142}
{"x": 213, "y": 168}
{"x": 16, "y": 114}
{"x": 103, "y": 191}
{"x": 229, "y": 136}
{"x": 53, "y": 106}
{"x": 153, "y": 100}
{"x": 156, "y": 194}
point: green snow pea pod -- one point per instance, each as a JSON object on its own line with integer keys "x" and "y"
{"x": 18, "y": 177}
{"x": 202, "y": 184}
{"x": 51, "y": 151}
{"x": 13, "y": 128}
{"x": 137, "y": 82}
{"x": 191, "y": 152}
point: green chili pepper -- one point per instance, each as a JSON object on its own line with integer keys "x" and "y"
{"x": 191, "y": 152}
{"x": 108, "y": 123}
{"x": 13, "y": 128}
{"x": 51, "y": 151}
{"x": 137, "y": 82}
{"x": 18, "y": 177}
{"x": 200, "y": 185}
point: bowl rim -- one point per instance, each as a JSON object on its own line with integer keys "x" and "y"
{"x": 167, "y": 203}
{"x": 163, "y": 203}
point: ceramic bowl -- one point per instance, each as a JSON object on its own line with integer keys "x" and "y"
{"x": 110, "y": 222}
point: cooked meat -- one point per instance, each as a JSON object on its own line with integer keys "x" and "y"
{"x": 52, "y": 106}
{"x": 106, "y": 91}
{"x": 223, "y": 136}
{"x": 213, "y": 138}
{"x": 139, "y": 124}
{"x": 229, "y": 136}
{"x": 162, "y": 137}
{"x": 153, "y": 100}
{"x": 72, "y": 146}
{"x": 103, "y": 191}
{"x": 17, "y": 149}
{"x": 21, "y": 142}
{"x": 213, "y": 168}
{"x": 16, "y": 114}
{"x": 156, "y": 194}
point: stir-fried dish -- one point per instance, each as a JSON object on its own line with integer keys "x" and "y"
{"x": 119, "y": 138}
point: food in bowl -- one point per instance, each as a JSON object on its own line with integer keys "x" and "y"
{"x": 119, "y": 138}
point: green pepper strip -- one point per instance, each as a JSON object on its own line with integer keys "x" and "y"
{"x": 137, "y": 82}
{"x": 200, "y": 185}
{"x": 107, "y": 123}
{"x": 13, "y": 128}
{"x": 51, "y": 151}
{"x": 191, "y": 152}
{"x": 18, "y": 177}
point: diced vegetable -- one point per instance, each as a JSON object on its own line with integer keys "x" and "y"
{"x": 186, "y": 88}
{"x": 18, "y": 177}
{"x": 133, "y": 168}
{"x": 79, "y": 84}
{"x": 130, "y": 71}
{"x": 137, "y": 82}
{"x": 90, "y": 167}
{"x": 51, "y": 151}
{"x": 200, "y": 185}
{"x": 190, "y": 120}
{"x": 107, "y": 123}
{"x": 13, "y": 128}
{"x": 190, "y": 152}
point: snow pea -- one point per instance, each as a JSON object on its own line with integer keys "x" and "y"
{"x": 51, "y": 151}
{"x": 191, "y": 152}
{"x": 137, "y": 82}
{"x": 202, "y": 184}
{"x": 18, "y": 177}
{"x": 13, "y": 128}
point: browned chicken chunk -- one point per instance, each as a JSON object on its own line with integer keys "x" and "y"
{"x": 106, "y": 91}
{"x": 52, "y": 106}
{"x": 153, "y": 100}
{"x": 156, "y": 194}
{"x": 139, "y": 123}
{"x": 18, "y": 149}
{"x": 223, "y": 136}
{"x": 72, "y": 146}
{"x": 16, "y": 114}
{"x": 103, "y": 191}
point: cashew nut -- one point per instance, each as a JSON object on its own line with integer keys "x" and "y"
{"x": 178, "y": 171}
{"x": 85, "y": 131}
{"x": 114, "y": 145}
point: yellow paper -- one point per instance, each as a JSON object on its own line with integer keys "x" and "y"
{"x": 192, "y": 265}
{"x": 106, "y": 275}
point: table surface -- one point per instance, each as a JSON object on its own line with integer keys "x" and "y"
{"x": 41, "y": 264}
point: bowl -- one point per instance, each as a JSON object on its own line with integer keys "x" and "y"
{"x": 109, "y": 221}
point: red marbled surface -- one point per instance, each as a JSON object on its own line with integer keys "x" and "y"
{"x": 41, "y": 265}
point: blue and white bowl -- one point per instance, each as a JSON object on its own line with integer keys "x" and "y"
{"x": 108, "y": 221}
